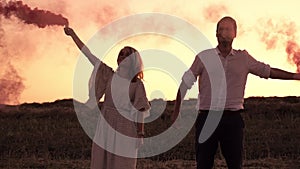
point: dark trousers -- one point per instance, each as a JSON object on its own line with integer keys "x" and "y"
{"x": 229, "y": 134}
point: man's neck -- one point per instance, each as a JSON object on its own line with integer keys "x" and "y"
{"x": 225, "y": 50}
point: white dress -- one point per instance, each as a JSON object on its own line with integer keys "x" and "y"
{"x": 115, "y": 140}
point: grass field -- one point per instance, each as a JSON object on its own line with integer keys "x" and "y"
{"x": 49, "y": 135}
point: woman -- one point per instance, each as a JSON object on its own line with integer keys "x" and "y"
{"x": 120, "y": 128}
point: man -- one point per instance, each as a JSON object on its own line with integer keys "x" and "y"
{"x": 222, "y": 75}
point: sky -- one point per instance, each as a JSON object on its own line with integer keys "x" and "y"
{"x": 39, "y": 62}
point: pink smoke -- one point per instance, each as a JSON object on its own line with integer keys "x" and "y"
{"x": 282, "y": 33}
{"x": 293, "y": 51}
{"x": 41, "y": 18}
{"x": 214, "y": 12}
{"x": 11, "y": 86}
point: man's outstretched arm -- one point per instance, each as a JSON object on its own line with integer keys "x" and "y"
{"x": 284, "y": 75}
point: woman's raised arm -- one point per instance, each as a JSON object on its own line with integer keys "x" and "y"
{"x": 84, "y": 49}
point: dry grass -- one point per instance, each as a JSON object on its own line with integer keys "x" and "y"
{"x": 32, "y": 163}
{"x": 49, "y": 136}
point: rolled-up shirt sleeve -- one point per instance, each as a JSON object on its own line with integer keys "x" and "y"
{"x": 188, "y": 79}
{"x": 190, "y": 76}
{"x": 258, "y": 68}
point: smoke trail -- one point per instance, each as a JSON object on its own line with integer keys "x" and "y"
{"x": 293, "y": 51}
{"x": 214, "y": 12}
{"x": 11, "y": 83}
{"x": 11, "y": 86}
{"x": 35, "y": 16}
{"x": 282, "y": 33}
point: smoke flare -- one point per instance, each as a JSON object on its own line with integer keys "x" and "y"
{"x": 41, "y": 18}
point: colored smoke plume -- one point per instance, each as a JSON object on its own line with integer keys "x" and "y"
{"x": 38, "y": 17}
{"x": 293, "y": 51}
{"x": 213, "y": 13}
{"x": 11, "y": 86}
{"x": 11, "y": 82}
{"x": 282, "y": 33}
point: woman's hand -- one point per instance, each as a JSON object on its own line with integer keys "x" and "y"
{"x": 140, "y": 139}
{"x": 139, "y": 142}
{"x": 69, "y": 31}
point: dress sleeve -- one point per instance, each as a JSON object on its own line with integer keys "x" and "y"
{"x": 140, "y": 100}
{"x": 98, "y": 82}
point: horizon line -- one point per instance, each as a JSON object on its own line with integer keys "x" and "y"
{"x": 155, "y": 99}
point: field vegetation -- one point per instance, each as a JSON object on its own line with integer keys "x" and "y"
{"x": 49, "y": 135}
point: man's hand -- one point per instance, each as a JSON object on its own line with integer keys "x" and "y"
{"x": 297, "y": 76}
{"x": 174, "y": 116}
{"x": 175, "y": 119}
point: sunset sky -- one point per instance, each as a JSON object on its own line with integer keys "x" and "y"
{"x": 38, "y": 64}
